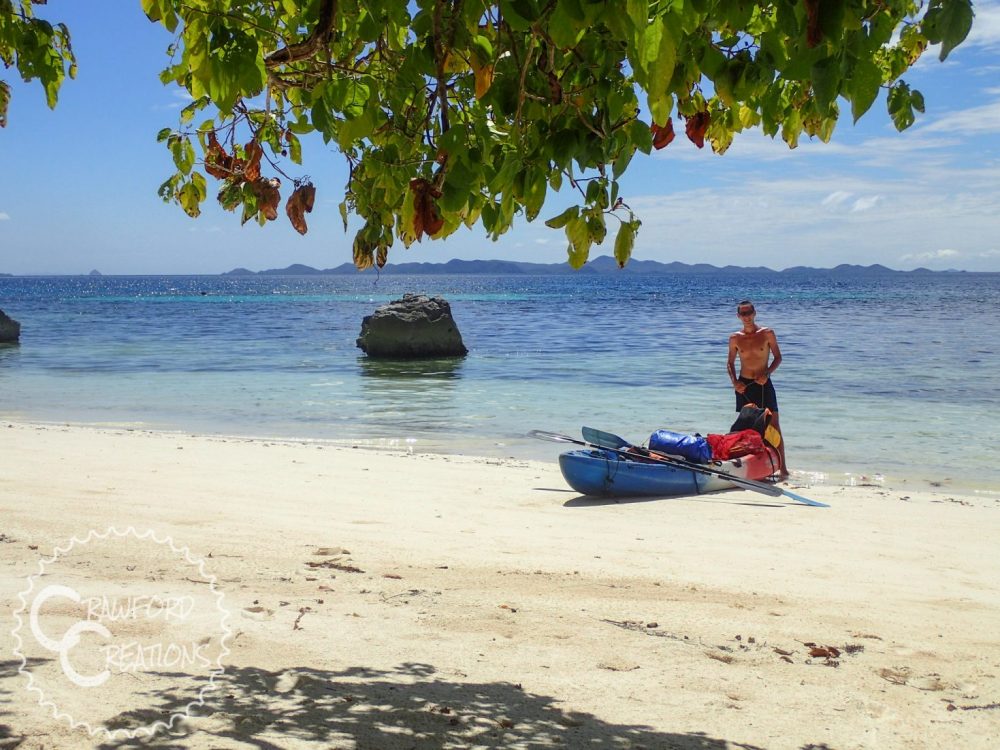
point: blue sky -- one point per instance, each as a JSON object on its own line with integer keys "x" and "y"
{"x": 78, "y": 184}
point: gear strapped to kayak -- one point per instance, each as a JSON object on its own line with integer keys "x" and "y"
{"x": 612, "y": 469}
{"x": 759, "y": 419}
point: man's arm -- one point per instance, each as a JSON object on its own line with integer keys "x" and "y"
{"x": 772, "y": 343}
{"x": 738, "y": 385}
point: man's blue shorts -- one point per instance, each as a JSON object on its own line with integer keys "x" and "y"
{"x": 761, "y": 395}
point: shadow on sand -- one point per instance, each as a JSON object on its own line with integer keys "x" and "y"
{"x": 587, "y": 501}
{"x": 410, "y": 707}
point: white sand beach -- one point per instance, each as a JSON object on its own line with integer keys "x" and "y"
{"x": 387, "y": 600}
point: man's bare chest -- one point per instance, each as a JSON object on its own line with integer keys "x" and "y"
{"x": 752, "y": 343}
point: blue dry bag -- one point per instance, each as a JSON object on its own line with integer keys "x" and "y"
{"x": 691, "y": 447}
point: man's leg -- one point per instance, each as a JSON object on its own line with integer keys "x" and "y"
{"x": 782, "y": 467}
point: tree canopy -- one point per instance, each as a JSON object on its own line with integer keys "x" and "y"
{"x": 465, "y": 112}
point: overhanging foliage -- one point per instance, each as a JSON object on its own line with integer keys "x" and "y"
{"x": 463, "y": 112}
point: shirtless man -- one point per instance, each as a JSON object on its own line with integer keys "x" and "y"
{"x": 755, "y": 345}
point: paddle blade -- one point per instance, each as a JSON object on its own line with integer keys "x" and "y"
{"x": 804, "y": 500}
{"x": 604, "y": 439}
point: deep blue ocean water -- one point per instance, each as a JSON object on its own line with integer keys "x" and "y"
{"x": 896, "y": 375}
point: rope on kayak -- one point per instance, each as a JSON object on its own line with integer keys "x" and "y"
{"x": 609, "y": 476}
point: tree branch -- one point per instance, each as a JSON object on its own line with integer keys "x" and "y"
{"x": 316, "y": 41}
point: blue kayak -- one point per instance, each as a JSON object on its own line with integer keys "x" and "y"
{"x": 607, "y": 473}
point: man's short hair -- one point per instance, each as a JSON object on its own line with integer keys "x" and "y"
{"x": 744, "y": 303}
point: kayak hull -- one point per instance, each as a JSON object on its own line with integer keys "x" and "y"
{"x": 604, "y": 473}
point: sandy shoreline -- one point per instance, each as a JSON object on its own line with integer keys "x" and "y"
{"x": 385, "y": 600}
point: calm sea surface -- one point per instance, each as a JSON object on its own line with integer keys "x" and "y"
{"x": 897, "y": 376}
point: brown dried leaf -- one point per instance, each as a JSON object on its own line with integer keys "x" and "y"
{"x": 300, "y": 202}
{"x": 696, "y": 126}
{"x": 663, "y": 136}
{"x": 308, "y": 196}
{"x": 218, "y": 163}
{"x": 426, "y": 217}
{"x": 268, "y": 196}
{"x": 251, "y": 168}
{"x": 363, "y": 254}
{"x": 334, "y": 566}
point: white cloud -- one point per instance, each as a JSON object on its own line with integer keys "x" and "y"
{"x": 930, "y": 257}
{"x": 835, "y": 198}
{"x": 986, "y": 26}
{"x": 865, "y": 204}
{"x": 982, "y": 119}
{"x": 4, "y": 216}
{"x": 826, "y": 218}
{"x": 182, "y": 97}
{"x": 990, "y": 254}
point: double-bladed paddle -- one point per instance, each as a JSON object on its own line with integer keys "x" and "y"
{"x": 610, "y": 441}
{"x": 750, "y": 484}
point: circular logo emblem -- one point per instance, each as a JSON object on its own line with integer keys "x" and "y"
{"x": 129, "y": 652}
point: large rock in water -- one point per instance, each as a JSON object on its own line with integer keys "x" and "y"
{"x": 413, "y": 327}
{"x": 10, "y": 329}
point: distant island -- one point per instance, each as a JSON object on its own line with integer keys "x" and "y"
{"x": 604, "y": 264}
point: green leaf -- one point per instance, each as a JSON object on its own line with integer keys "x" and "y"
{"x": 230, "y": 195}
{"x": 353, "y": 130}
{"x": 657, "y": 55}
{"x": 152, "y": 9}
{"x": 535, "y": 186}
{"x": 638, "y": 13}
{"x": 948, "y": 22}
{"x": 190, "y": 199}
{"x": 4, "y": 102}
{"x": 183, "y": 154}
{"x": 866, "y": 79}
{"x": 198, "y": 180}
{"x": 558, "y": 222}
{"x": 580, "y": 241}
{"x": 825, "y": 76}
{"x": 900, "y": 106}
{"x": 188, "y": 113}
{"x": 294, "y": 147}
{"x": 563, "y": 28}
{"x": 624, "y": 243}
{"x": 791, "y": 129}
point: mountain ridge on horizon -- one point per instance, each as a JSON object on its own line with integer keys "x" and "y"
{"x": 603, "y": 264}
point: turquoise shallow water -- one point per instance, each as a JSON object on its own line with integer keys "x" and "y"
{"x": 894, "y": 376}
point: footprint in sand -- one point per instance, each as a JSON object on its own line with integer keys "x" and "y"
{"x": 903, "y": 676}
{"x": 331, "y": 551}
{"x": 258, "y": 613}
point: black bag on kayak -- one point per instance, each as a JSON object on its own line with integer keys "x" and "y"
{"x": 758, "y": 419}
